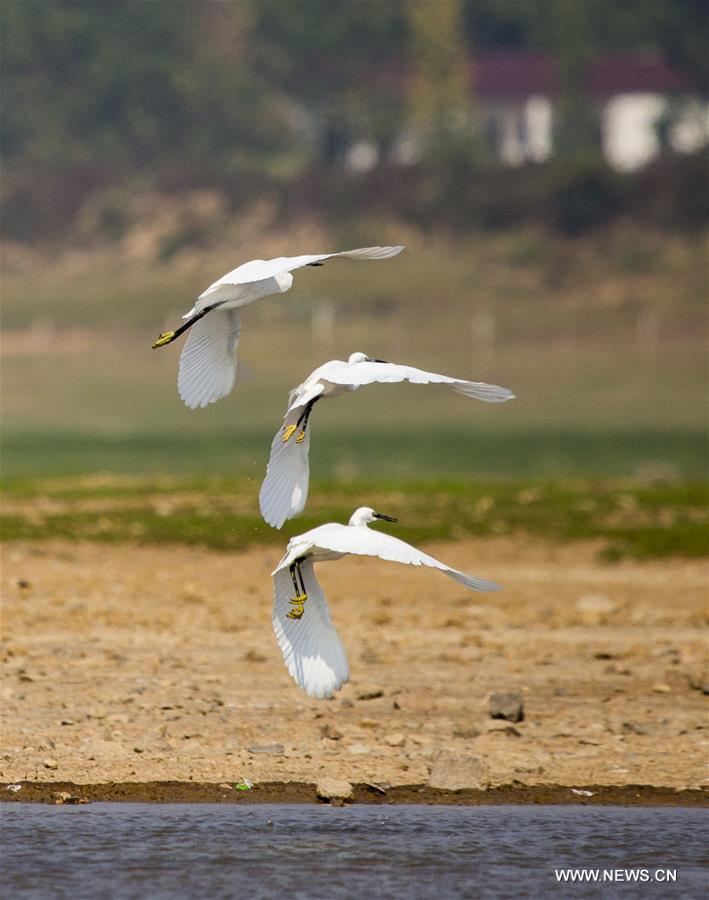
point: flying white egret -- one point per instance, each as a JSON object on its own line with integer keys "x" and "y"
{"x": 208, "y": 359}
{"x": 285, "y": 488}
{"x": 312, "y": 650}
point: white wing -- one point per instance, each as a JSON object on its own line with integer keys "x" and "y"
{"x": 367, "y": 542}
{"x": 368, "y": 372}
{"x": 208, "y": 359}
{"x": 261, "y": 269}
{"x": 311, "y": 647}
{"x": 284, "y": 491}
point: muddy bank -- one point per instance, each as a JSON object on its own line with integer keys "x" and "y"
{"x": 299, "y": 792}
{"x": 157, "y": 665}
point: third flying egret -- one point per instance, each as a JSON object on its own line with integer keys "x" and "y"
{"x": 208, "y": 360}
{"x": 285, "y": 488}
{"x": 312, "y": 650}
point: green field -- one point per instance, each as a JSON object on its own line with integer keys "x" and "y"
{"x": 605, "y": 334}
{"x": 395, "y": 455}
{"x": 626, "y": 519}
{"x": 602, "y": 340}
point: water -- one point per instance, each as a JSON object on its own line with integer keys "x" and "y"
{"x": 270, "y": 851}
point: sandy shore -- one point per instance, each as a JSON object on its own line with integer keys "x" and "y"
{"x": 136, "y": 665}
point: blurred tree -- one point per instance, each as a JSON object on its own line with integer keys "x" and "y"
{"x": 677, "y": 30}
{"x": 342, "y": 63}
{"x": 92, "y": 82}
{"x": 95, "y": 92}
{"x": 507, "y": 24}
{"x": 244, "y": 95}
{"x": 681, "y": 30}
{"x": 576, "y": 125}
{"x": 441, "y": 96}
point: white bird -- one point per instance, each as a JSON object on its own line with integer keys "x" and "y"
{"x": 208, "y": 360}
{"x": 284, "y": 491}
{"x": 312, "y": 650}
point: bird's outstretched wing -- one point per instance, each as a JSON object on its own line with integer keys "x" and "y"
{"x": 284, "y": 491}
{"x": 260, "y": 269}
{"x": 367, "y": 542}
{"x": 311, "y": 646}
{"x": 368, "y": 372}
{"x": 208, "y": 359}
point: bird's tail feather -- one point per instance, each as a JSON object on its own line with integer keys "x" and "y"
{"x": 490, "y": 393}
{"x": 475, "y": 584}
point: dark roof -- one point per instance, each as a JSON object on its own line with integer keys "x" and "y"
{"x": 518, "y": 75}
{"x": 508, "y": 76}
{"x": 635, "y": 74}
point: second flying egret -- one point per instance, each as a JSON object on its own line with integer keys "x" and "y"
{"x": 208, "y": 359}
{"x": 284, "y": 491}
{"x": 311, "y": 646}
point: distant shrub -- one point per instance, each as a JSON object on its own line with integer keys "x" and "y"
{"x": 582, "y": 195}
{"x": 673, "y": 191}
{"x": 458, "y": 195}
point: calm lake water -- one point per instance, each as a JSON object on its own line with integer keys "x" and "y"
{"x": 106, "y": 850}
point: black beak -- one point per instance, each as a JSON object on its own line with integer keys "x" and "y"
{"x": 385, "y": 518}
{"x": 371, "y": 359}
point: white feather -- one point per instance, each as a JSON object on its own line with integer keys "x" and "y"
{"x": 243, "y": 285}
{"x": 262, "y": 269}
{"x": 311, "y": 647}
{"x": 285, "y": 488}
{"x": 358, "y": 373}
{"x": 208, "y": 359}
{"x": 358, "y": 540}
{"x": 284, "y": 491}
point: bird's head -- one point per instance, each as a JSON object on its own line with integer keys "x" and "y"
{"x": 362, "y": 357}
{"x": 365, "y": 514}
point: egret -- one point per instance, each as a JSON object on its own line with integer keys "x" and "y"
{"x": 311, "y": 646}
{"x": 284, "y": 491}
{"x": 208, "y": 359}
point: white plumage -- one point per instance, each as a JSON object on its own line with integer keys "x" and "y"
{"x": 311, "y": 646}
{"x": 208, "y": 360}
{"x": 284, "y": 491}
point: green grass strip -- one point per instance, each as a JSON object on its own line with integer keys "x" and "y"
{"x": 633, "y": 520}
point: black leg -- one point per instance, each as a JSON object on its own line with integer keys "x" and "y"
{"x": 301, "y": 596}
{"x": 291, "y": 569}
{"x": 290, "y": 430}
{"x": 305, "y": 418}
{"x": 305, "y": 414}
{"x": 300, "y": 575}
{"x": 297, "y": 576}
{"x": 167, "y": 337}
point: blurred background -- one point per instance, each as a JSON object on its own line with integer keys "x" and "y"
{"x": 544, "y": 161}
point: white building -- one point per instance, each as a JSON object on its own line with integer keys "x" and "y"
{"x": 640, "y": 104}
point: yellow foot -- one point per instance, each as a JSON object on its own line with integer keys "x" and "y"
{"x": 164, "y": 338}
{"x": 298, "y": 606}
{"x": 288, "y": 432}
{"x": 300, "y": 438}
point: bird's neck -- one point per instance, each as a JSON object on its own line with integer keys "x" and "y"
{"x": 284, "y": 281}
{"x": 357, "y": 522}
